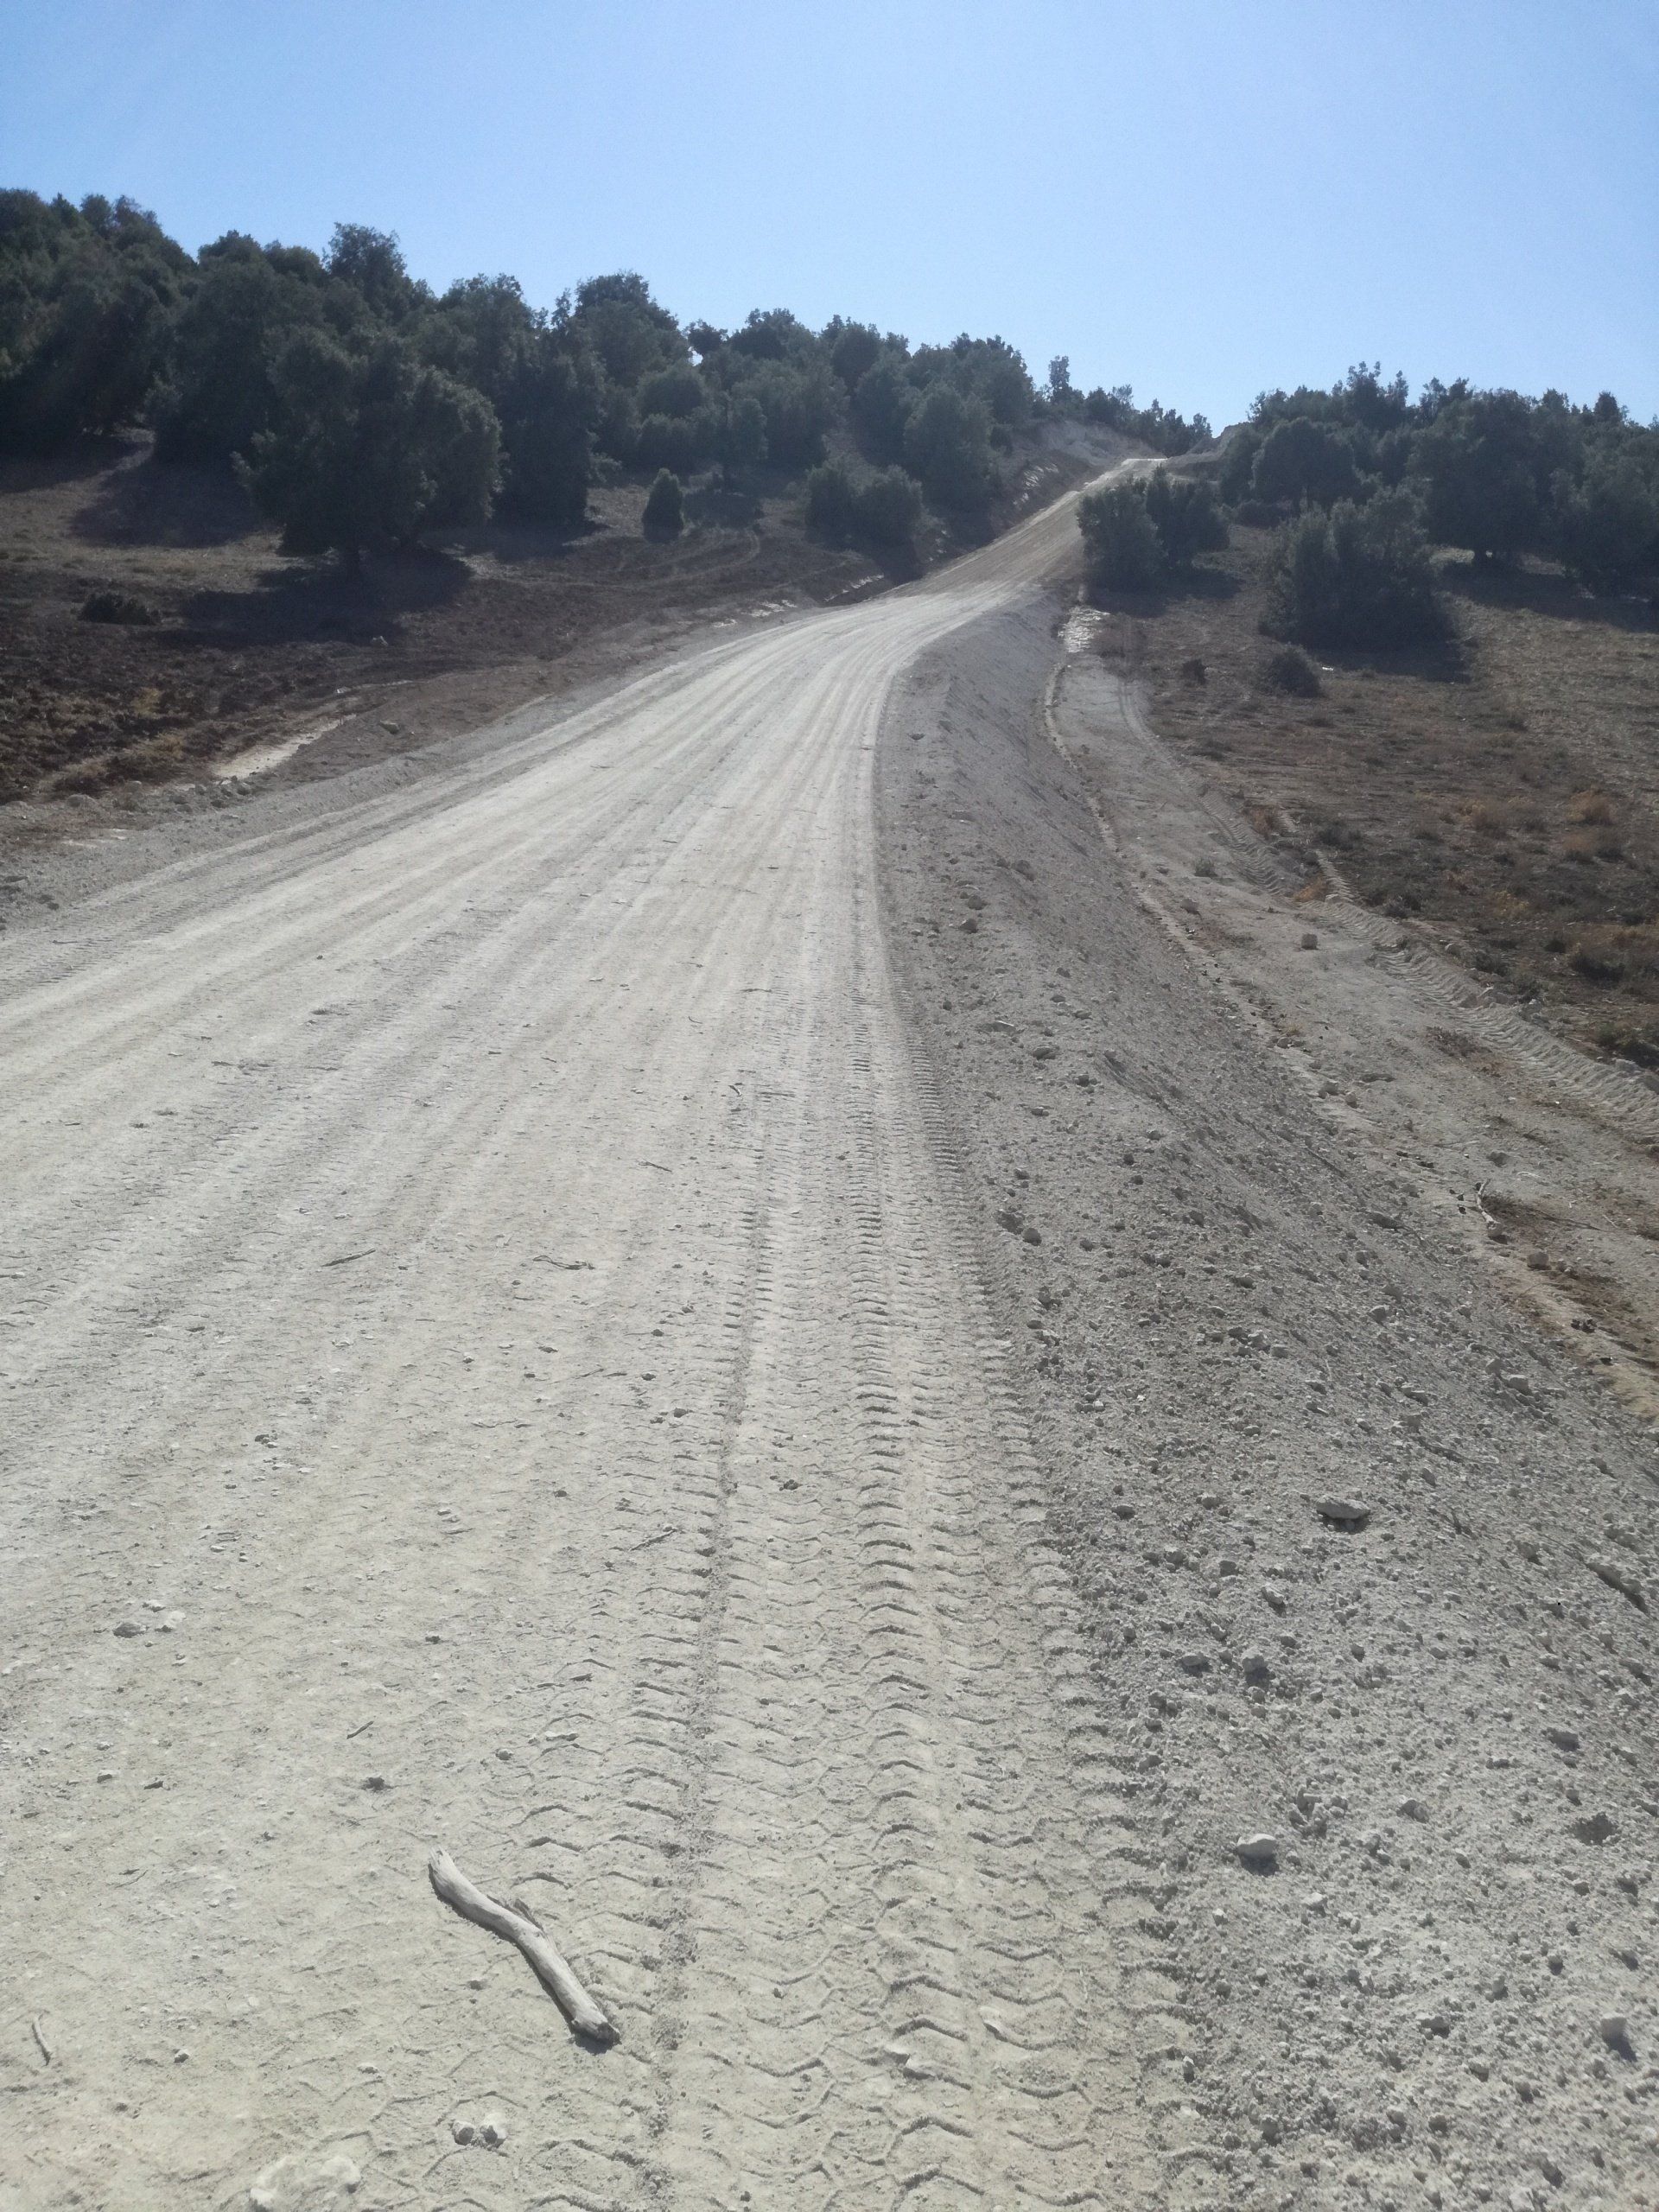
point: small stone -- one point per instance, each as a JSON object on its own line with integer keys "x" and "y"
{"x": 1565, "y": 1739}
{"x": 1413, "y": 1809}
{"x": 129, "y": 1628}
{"x": 1310, "y": 940}
{"x": 1615, "y": 2031}
{"x": 463, "y": 2131}
{"x": 1342, "y": 1512}
{"x": 1195, "y": 1662}
{"x": 492, "y": 2130}
{"x": 1595, "y": 1828}
{"x": 305, "y": 2184}
{"x": 1258, "y": 1849}
{"x": 376, "y": 1783}
{"x": 1253, "y": 1665}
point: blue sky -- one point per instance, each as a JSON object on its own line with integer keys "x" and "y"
{"x": 1200, "y": 199}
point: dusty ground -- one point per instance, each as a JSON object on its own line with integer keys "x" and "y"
{"x": 1237, "y": 1293}
{"x": 1497, "y": 795}
{"x": 719, "y": 1299}
{"x": 249, "y": 651}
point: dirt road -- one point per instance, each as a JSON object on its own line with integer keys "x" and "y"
{"x": 490, "y": 1359}
{"x": 696, "y": 1301}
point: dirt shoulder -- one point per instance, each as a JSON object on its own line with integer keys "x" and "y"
{"x": 1366, "y": 1557}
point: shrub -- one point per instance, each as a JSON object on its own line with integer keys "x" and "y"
{"x": 1356, "y": 576}
{"x": 1119, "y": 539}
{"x": 831, "y": 503}
{"x": 117, "y": 607}
{"x": 1289, "y": 670}
{"x": 1183, "y": 511}
{"x": 888, "y": 511}
{"x": 678, "y": 390}
{"x": 664, "y": 506}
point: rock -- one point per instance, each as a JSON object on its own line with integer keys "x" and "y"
{"x": 1595, "y": 1828}
{"x": 1253, "y": 1665}
{"x": 1615, "y": 2031}
{"x": 1565, "y": 1739}
{"x": 1413, "y": 1809}
{"x": 129, "y": 1628}
{"x": 1342, "y": 1512}
{"x": 305, "y": 2183}
{"x": 1195, "y": 1662}
{"x": 1259, "y": 1849}
{"x": 1310, "y": 941}
{"x": 463, "y": 2131}
{"x": 492, "y": 2130}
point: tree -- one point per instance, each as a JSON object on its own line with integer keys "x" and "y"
{"x": 739, "y": 435}
{"x": 222, "y": 345}
{"x": 1606, "y": 529}
{"x": 799, "y": 405}
{"x": 855, "y": 347}
{"x": 1356, "y": 576}
{"x": 1060, "y": 392}
{"x": 1183, "y": 511}
{"x": 1120, "y": 542}
{"x": 371, "y": 263}
{"x": 668, "y": 442}
{"x": 1479, "y": 465}
{"x": 367, "y": 452}
{"x": 947, "y": 446}
{"x": 664, "y": 506}
{"x": 881, "y": 406}
{"x": 677, "y": 390}
{"x": 1301, "y": 459}
{"x": 85, "y": 294}
{"x": 629, "y": 332}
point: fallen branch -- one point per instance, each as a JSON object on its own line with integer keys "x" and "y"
{"x": 38, "y": 2033}
{"x": 518, "y": 1925}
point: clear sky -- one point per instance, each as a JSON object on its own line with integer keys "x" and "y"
{"x": 1200, "y": 199}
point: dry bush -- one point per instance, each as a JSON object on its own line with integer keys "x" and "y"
{"x": 1619, "y": 952}
{"x": 1591, "y": 806}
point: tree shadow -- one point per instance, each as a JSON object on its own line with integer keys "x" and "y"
{"x": 510, "y": 541}
{"x": 312, "y": 600}
{"x": 76, "y": 464}
{"x": 145, "y": 502}
{"x": 1544, "y": 591}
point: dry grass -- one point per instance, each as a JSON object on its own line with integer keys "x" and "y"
{"x": 1503, "y": 789}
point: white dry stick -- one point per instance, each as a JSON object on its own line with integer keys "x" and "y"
{"x": 38, "y": 2033}
{"x": 517, "y": 1925}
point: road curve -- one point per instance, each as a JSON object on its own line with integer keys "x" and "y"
{"x": 490, "y": 1358}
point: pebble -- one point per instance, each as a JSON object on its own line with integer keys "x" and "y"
{"x": 1615, "y": 2030}
{"x": 1565, "y": 1739}
{"x": 1195, "y": 1662}
{"x": 129, "y": 1628}
{"x": 1258, "y": 1849}
{"x": 1310, "y": 940}
{"x": 1253, "y": 1665}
